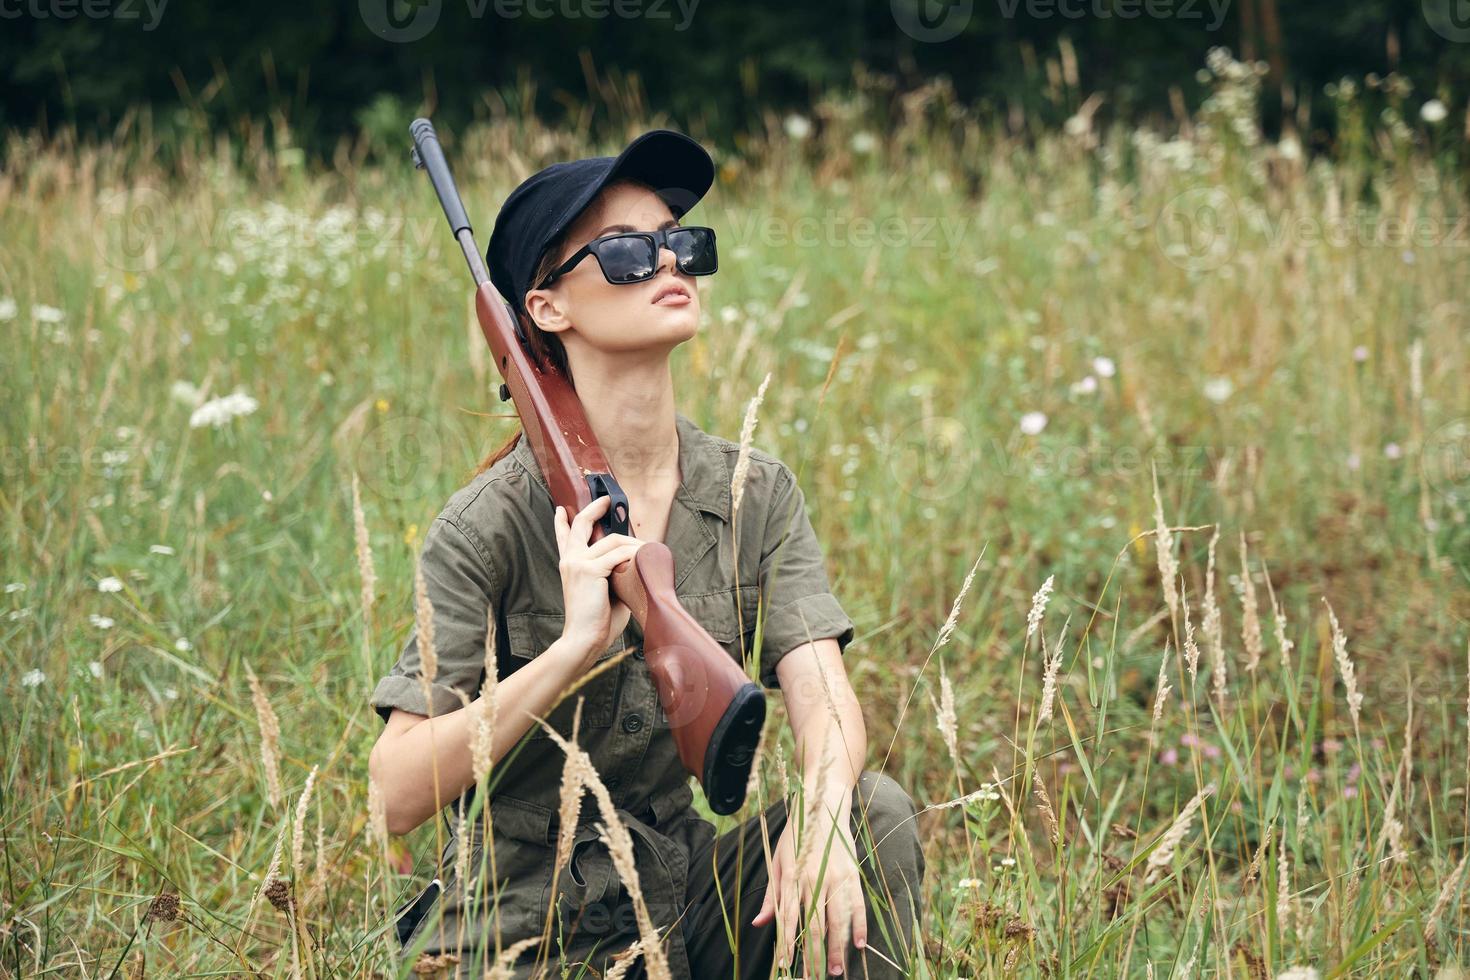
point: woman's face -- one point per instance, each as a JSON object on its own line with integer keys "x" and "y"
{"x": 587, "y": 311}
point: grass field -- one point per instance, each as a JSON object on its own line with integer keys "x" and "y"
{"x": 1029, "y": 334}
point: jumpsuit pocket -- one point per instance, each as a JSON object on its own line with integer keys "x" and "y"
{"x": 582, "y": 886}
{"x": 726, "y": 614}
{"x": 530, "y": 634}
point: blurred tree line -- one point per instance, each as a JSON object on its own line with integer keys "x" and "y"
{"x": 350, "y": 68}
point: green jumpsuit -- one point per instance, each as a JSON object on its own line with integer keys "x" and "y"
{"x": 493, "y": 545}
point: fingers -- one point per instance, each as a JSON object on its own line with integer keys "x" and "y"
{"x": 788, "y": 915}
{"x": 579, "y": 529}
{"x": 767, "y": 909}
{"x": 775, "y": 874}
{"x": 616, "y": 557}
{"x": 859, "y": 914}
{"x": 839, "y": 925}
{"x": 609, "y": 541}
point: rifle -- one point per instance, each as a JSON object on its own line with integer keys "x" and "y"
{"x": 715, "y": 711}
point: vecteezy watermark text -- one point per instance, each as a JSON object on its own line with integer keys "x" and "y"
{"x": 90, "y": 9}
{"x": 1121, "y": 9}
{"x": 405, "y": 21}
{"x": 936, "y": 21}
{"x": 836, "y": 229}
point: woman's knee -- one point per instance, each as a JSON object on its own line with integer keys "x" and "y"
{"x": 886, "y": 809}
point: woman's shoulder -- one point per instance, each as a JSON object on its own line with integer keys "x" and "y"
{"x": 765, "y": 472}
{"x": 491, "y": 506}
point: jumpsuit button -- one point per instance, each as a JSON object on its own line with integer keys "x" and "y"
{"x": 638, "y": 651}
{"x": 632, "y": 723}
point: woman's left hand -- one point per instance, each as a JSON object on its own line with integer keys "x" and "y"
{"x": 835, "y": 904}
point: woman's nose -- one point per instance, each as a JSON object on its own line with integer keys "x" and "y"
{"x": 666, "y": 257}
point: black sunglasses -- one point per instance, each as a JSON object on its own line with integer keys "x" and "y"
{"x": 632, "y": 256}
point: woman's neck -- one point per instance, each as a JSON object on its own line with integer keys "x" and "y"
{"x": 631, "y": 411}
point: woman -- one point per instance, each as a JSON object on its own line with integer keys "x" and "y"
{"x": 608, "y": 311}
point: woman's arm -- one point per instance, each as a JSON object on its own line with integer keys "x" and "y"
{"x": 413, "y": 748}
{"x": 826, "y": 720}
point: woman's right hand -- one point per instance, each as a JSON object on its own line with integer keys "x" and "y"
{"x": 593, "y": 618}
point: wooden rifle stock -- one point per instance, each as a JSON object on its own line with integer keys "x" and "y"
{"x": 715, "y": 711}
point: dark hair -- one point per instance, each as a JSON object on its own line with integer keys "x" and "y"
{"x": 547, "y": 346}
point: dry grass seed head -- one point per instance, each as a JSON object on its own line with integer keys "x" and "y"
{"x": 270, "y": 738}
{"x": 1250, "y": 617}
{"x": 1344, "y": 665}
{"x": 742, "y": 458}
{"x": 620, "y": 847}
{"x": 1163, "y": 854}
{"x": 424, "y": 633}
{"x": 1164, "y": 546}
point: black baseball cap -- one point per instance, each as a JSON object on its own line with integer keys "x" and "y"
{"x": 678, "y": 169}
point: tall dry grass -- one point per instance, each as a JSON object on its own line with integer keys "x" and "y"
{"x": 1163, "y": 371}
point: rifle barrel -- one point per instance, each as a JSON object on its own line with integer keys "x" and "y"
{"x": 429, "y": 155}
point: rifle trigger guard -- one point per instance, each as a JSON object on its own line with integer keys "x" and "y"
{"x": 615, "y": 521}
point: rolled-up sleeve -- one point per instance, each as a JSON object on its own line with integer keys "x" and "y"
{"x": 462, "y": 585}
{"x": 799, "y": 604}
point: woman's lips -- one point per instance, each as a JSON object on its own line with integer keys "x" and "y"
{"x": 673, "y": 298}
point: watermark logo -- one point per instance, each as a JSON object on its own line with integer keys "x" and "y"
{"x": 1199, "y": 229}
{"x": 1446, "y": 459}
{"x": 932, "y": 21}
{"x": 1450, "y": 19}
{"x": 133, "y": 228}
{"x": 397, "y": 454}
{"x": 932, "y": 458}
{"x": 400, "y": 21}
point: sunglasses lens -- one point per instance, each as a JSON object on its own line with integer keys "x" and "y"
{"x": 626, "y": 258}
{"x": 695, "y": 248}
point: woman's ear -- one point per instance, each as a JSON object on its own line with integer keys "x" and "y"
{"x": 543, "y": 309}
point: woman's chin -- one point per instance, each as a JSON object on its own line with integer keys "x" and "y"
{"x": 681, "y": 319}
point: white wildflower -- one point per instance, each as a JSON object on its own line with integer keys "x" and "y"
{"x": 110, "y": 584}
{"x": 185, "y": 393}
{"x": 219, "y": 411}
{"x": 1033, "y": 422}
{"x": 13, "y": 587}
{"x": 1104, "y": 367}
{"x": 182, "y": 645}
{"x": 32, "y": 678}
{"x": 797, "y": 127}
{"x": 96, "y": 668}
{"x": 1218, "y": 389}
{"x": 8, "y": 308}
{"x": 1393, "y": 450}
{"x": 1086, "y": 386}
{"x": 101, "y": 622}
{"x": 1360, "y": 353}
{"x": 47, "y": 314}
{"x": 1433, "y": 112}
{"x": 160, "y": 549}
